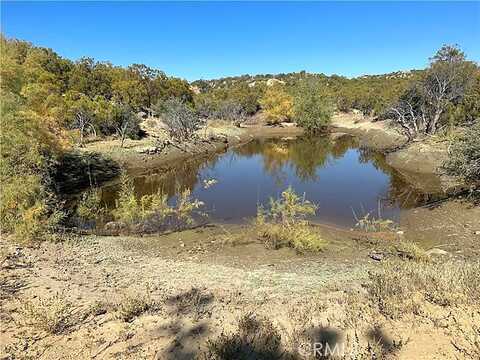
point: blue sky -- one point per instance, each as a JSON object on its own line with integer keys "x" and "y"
{"x": 209, "y": 40}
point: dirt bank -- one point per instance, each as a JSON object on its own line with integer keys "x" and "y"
{"x": 195, "y": 285}
{"x": 376, "y": 135}
{"x": 419, "y": 162}
{"x": 138, "y": 156}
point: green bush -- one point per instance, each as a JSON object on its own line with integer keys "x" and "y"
{"x": 464, "y": 159}
{"x": 312, "y": 109}
{"x": 284, "y": 223}
{"x": 130, "y": 209}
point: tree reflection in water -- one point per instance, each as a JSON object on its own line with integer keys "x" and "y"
{"x": 338, "y": 174}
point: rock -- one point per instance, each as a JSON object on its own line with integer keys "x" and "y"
{"x": 288, "y": 124}
{"x": 148, "y": 150}
{"x": 477, "y": 232}
{"x": 115, "y": 226}
{"x": 376, "y": 256}
{"x": 437, "y": 252}
{"x": 271, "y": 82}
{"x": 339, "y": 135}
{"x": 400, "y": 232}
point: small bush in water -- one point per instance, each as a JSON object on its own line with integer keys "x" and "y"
{"x": 129, "y": 209}
{"x": 284, "y": 223}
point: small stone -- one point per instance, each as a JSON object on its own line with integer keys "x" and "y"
{"x": 477, "y": 232}
{"x": 400, "y": 232}
{"x": 436, "y": 252}
{"x": 182, "y": 245}
{"x": 376, "y": 256}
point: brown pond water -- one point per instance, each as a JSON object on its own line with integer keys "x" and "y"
{"x": 337, "y": 175}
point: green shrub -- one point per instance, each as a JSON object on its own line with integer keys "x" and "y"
{"x": 312, "y": 108}
{"x": 284, "y": 223}
{"x": 130, "y": 209}
{"x": 90, "y": 205}
{"x": 464, "y": 159}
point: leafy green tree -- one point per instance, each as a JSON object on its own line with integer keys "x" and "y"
{"x": 312, "y": 107}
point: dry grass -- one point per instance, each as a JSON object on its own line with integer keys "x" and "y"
{"x": 52, "y": 315}
{"x": 134, "y": 305}
{"x": 402, "y": 287}
{"x": 255, "y": 338}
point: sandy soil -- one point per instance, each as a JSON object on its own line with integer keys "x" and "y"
{"x": 201, "y": 281}
{"x": 377, "y": 135}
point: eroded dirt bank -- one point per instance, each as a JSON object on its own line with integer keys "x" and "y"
{"x": 420, "y": 163}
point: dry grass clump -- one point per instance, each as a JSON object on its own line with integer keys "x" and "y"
{"x": 402, "y": 287}
{"x": 284, "y": 223}
{"x": 255, "y": 338}
{"x": 134, "y": 305}
{"x": 370, "y": 223}
{"x": 52, "y": 315}
{"x": 468, "y": 341}
{"x": 408, "y": 250}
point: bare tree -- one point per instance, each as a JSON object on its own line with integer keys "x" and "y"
{"x": 82, "y": 122}
{"x": 420, "y": 109}
{"x": 181, "y": 120}
{"x": 126, "y": 124}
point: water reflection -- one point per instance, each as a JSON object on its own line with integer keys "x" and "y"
{"x": 338, "y": 175}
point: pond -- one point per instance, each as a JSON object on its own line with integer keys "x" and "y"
{"x": 339, "y": 176}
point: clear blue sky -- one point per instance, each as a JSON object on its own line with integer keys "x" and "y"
{"x": 209, "y": 40}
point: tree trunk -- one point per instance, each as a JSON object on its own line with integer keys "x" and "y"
{"x": 432, "y": 126}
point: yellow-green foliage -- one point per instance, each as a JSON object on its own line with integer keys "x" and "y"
{"x": 90, "y": 205}
{"x": 277, "y": 104}
{"x": 284, "y": 224}
{"x": 131, "y": 209}
{"x": 27, "y": 205}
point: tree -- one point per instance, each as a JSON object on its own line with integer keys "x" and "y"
{"x": 126, "y": 123}
{"x": 181, "y": 120}
{"x": 277, "y": 104}
{"x": 81, "y": 109}
{"x": 312, "y": 109}
{"x": 420, "y": 109}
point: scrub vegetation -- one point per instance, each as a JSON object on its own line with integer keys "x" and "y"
{"x": 53, "y": 109}
{"x": 283, "y": 223}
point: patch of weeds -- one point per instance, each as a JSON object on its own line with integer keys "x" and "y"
{"x": 401, "y": 287}
{"x": 255, "y": 338}
{"x": 195, "y": 302}
{"x": 52, "y": 315}
{"x": 408, "y": 250}
{"x": 90, "y": 205}
{"x": 369, "y": 223}
{"x": 132, "y": 306}
{"x": 99, "y": 308}
{"x": 284, "y": 223}
{"x": 468, "y": 343}
{"x": 154, "y": 209}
